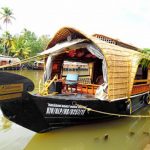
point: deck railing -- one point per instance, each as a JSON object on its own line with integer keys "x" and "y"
{"x": 141, "y": 86}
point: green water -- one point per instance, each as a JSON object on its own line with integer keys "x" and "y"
{"x": 118, "y": 134}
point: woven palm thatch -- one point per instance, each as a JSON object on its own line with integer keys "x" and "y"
{"x": 122, "y": 63}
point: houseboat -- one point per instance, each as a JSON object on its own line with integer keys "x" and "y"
{"x": 115, "y": 84}
{"x": 10, "y": 62}
{"x": 38, "y": 65}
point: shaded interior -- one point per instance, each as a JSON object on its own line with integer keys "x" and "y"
{"x": 82, "y": 62}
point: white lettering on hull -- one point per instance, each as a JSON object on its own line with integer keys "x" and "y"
{"x": 58, "y": 109}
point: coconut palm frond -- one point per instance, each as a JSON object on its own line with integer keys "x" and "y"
{"x": 6, "y": 15}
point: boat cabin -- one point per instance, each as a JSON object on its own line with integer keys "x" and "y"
{"x": 10, "y": 61}
{"x": 38, "y": 65}
{"x": 97, "y": 65}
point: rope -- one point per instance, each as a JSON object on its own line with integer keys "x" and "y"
{"x": 29, "y": 59}
{"x": 113, "y": 114}
{"x": 22, "y": 62}
{"x": 47, "y": 84}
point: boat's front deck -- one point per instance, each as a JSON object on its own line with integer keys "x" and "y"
{"x": 72, "y": 96}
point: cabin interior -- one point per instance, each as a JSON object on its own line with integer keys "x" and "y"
{"x": 78, "y": 70}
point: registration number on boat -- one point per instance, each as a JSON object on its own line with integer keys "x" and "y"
{"x": 58, "y": 109}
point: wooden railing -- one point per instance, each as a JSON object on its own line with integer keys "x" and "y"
{"x": 87, "y": 88}
{"x": 141, "y": 88}
{"x": 142, "y": 81}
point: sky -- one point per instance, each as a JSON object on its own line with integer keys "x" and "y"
{"x": 126, "y": 20}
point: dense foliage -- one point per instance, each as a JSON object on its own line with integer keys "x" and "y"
{"x": 146, "y": 50}
{"x": 23, "y": 45}
{"x": 146, "y": 53}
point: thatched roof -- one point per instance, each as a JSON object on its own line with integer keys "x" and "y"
{"x": 116, "y": 42}
{"x": 62, "y": 35}
{"x": 122, "y": 63}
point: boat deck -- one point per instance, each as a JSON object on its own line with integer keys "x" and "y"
{"x": 73, "y": 96}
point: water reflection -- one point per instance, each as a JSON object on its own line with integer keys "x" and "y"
{"x": 123, "y": 133}
{"x": 12, "y": 136}
{"x": 5, "y": 123}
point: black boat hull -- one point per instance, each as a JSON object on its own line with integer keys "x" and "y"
{"x": 41, "y": 114}
{"x": 44, "y": 113}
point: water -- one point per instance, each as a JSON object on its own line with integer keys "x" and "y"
{"x": 123, "y": 133}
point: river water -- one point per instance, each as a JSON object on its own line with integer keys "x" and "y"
{"x": 118, "y": 134}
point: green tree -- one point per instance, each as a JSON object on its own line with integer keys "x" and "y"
{"x": 146, "y": 50}
{"x": 19, "y": 48}
{"x": 7, "y": 42}
{"x": 146, "y": 54}
{"x": 36, "y": 44}
{"x": 1, "y": 46}
{"x": 22, "y": 53}
{"x": 6, "y": 15}
{"x": 44, "y": 40}
{"x": 23, "y": 45}
{"x": 31, "y": 41}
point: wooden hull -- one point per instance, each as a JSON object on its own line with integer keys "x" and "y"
{"x": 41, "y": 114}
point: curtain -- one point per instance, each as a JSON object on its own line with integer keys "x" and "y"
{"x": 97, "y": 52}
{"x": 48, "y": 68}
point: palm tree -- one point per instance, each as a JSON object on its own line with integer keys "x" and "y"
{"x": 7, "y": 42}
{"x": 6, "y": 15}
{"x": 22, "y": 53}
{"x": 19, "y": 49}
